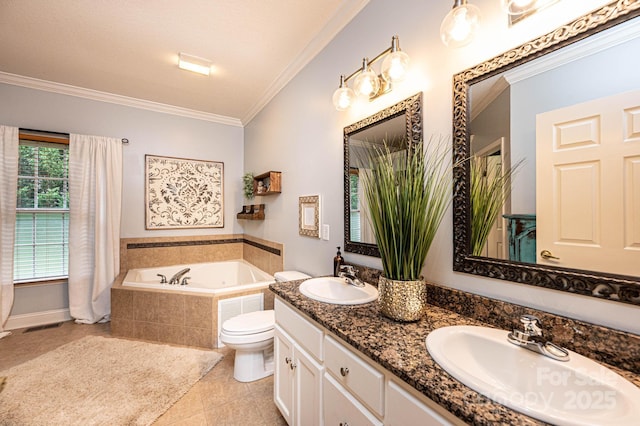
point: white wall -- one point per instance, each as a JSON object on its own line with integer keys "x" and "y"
{"x": 300, "y": 133}
{"x": 149, "y": 133}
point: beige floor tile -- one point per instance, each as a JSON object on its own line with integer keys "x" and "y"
{"x": 234, "y": 413}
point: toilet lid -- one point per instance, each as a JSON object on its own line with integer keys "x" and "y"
{"x": 253, "y": 322}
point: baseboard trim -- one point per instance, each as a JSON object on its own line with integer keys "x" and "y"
{"x": 37, "y": 318}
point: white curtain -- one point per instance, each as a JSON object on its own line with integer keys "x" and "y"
{"x": 8, "y": 188}
{"x": 95, "y": 201}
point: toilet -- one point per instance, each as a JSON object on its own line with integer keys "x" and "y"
{"x": 251, "y": 336}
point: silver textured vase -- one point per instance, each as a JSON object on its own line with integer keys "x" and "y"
{"x": 402, "y": 300}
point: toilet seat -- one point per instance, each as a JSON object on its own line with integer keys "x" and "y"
{"x": 244, "y": 339}
{"x": 250, "y": 324}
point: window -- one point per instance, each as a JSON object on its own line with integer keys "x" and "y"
{"x": 41, "y": 249}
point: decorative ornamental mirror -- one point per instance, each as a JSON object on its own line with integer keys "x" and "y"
{"x": 400, "y": 126}
{"x": 568, "y": 105}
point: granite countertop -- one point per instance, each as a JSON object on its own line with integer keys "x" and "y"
{"x": 401, "y": 349}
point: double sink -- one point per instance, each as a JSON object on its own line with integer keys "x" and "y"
{"x": 576, "y": 392}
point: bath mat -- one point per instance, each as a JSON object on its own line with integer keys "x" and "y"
{"x": 99, "y": 381}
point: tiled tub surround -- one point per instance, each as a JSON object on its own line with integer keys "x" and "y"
{"x": 163, "y": 251}
{"x": 178, "y": 317}
{"x": 400, "y": 347}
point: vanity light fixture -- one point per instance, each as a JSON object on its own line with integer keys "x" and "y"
{"x": 367, "y": 83}
{"x": 194, "y": 63}
{"x": 458, "y": 28}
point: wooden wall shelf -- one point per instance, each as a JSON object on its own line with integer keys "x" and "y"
{"x": 268, "y": 183}
{"x": 252, "y": 212}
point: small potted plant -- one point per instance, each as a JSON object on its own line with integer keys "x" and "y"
{"x": 408, "y": 193}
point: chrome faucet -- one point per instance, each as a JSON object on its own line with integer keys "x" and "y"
{"x": 176, "y": 278}
{"x": 348, "y": 272}
{"x": 531, "y": 338}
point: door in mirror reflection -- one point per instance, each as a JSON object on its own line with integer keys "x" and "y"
{"x": 588, "y": 180}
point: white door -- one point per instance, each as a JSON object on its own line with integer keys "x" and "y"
{"x": 588, "y": 185}
{"x": 308, "y": 389}
{"x": 496, "y": 155}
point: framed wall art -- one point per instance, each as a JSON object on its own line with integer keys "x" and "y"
{"x": 309, "y": 216}
{"x": 183, "y": 193}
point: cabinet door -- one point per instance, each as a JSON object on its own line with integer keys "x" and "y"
{"x": 283, "y": 375}
{"x": 308, "y": 389}
{"x": 341, "y": 408}
{"x": 404, "y": 409}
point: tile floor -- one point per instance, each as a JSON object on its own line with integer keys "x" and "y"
{"x": 217, "y": 399}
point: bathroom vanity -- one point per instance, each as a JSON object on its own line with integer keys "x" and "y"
{"x": 319, "y": 379}
{"x": 337, "y": 364}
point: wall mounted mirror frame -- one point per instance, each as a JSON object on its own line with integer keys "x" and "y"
{"x": 411, "y": 110}
{"x": 608, "y": 286}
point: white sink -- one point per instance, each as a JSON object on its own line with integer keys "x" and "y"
{"x": 338, "y": 291}
{"x": 577, "y": 392}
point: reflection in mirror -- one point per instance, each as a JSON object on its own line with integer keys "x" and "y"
{"x": 399, "y": 126}
{"x": 570, "y": 109}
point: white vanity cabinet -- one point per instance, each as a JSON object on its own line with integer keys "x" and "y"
{"x": 320, "y": 380}
{"x": 297, "y": 372}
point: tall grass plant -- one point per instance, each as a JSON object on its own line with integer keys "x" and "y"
{"x": 408, "y": 193}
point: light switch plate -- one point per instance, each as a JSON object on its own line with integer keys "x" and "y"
{"x": 325, "y": 232}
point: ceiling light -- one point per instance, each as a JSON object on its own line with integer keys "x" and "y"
{"x": 194, "y": 63}
{"x": 367, "y": 83}
{"x": 459, "y": 26}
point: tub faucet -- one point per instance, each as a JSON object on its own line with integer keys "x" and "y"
{"x": 348, "y": 272}
{"x": 176, "y": 278}
{"x": 531, "y": 338}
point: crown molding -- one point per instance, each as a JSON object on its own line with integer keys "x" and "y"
{"x": 81, "y": 92}
{"x": 340, "y": 19}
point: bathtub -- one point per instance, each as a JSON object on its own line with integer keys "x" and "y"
{"x": 213, "y": 277}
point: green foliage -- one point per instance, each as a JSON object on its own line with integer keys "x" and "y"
{"x": 353, "y": 192}
{"x": 490, "y": 186}
{"x": 247, "y": 188}
{"x": 408, "y": 193}
{"x": 43, "y": 173}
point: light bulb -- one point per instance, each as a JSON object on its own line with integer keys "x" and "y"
{"x": 459, "y": 26}
{"x": 395, "y": 65}
{"x": 367, "y": 83}
{"x": 518, "y": 7}
{"x": 343, "y": 96}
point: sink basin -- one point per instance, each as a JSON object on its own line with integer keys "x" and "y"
{"x": 577, "y": 392}
{"x": 338, "y": 291}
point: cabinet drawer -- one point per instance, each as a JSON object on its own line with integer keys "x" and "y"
{"x": 302, "y": 331}
{"x": 405, "y": 409}
{"x": 340, "y": 408}
{"x": 365, "y": 382}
